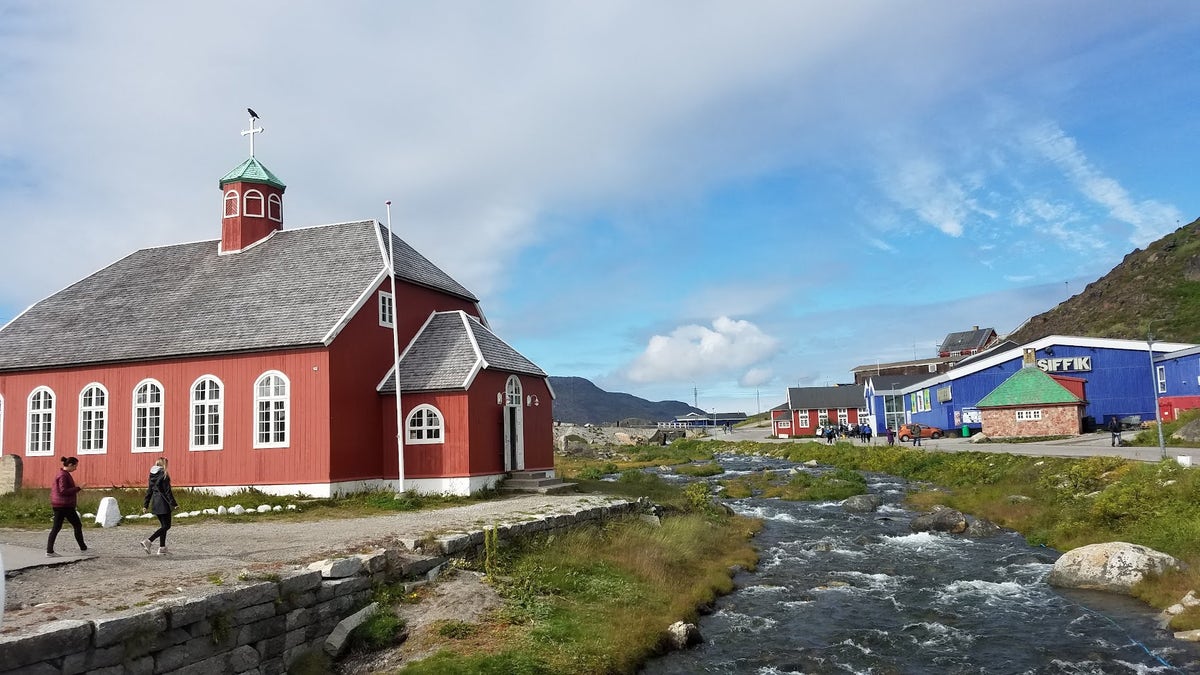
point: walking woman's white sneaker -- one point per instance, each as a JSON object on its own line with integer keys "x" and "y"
{"x": 162, "y": 550}
{"x": 145, "y": 545}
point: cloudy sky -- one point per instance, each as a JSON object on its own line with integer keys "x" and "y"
{"x": 673, "y": 199}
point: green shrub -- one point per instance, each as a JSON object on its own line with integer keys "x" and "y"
{"x": 700, "y": 470}
{"x": 382, "y": 629}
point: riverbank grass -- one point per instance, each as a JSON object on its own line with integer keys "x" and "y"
{"x": 598, "y": 599}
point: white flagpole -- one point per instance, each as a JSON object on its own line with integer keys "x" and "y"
{"x": 396, "y": 354}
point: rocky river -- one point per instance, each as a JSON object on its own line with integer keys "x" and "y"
{"x": 837, "y": 592}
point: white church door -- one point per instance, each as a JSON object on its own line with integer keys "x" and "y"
{"x": 514, "y": 432}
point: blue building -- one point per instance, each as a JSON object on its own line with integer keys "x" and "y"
{"x": 1119, "y": 374}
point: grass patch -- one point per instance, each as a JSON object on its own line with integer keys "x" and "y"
{"x": 700, "y": 470}
{"x": 382, "y": 629}
{"x": 29, "y": 508}
{"x": 598, "y": 598}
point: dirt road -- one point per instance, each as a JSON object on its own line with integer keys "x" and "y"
{"x": 121, "y": 575}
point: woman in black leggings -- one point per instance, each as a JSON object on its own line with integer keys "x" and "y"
{"x": 62, "y": 500}
{"x": 160, "y": 501}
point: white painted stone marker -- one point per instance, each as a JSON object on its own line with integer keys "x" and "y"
{"x": 109, "y": 514}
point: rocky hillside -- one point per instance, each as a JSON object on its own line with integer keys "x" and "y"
{"x": 1161, "y": 283}
{"x": 579, "y": 401}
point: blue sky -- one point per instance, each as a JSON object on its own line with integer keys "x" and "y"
{"x": 665, "y": 198}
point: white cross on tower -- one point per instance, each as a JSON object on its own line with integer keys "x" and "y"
{"x": 251, "y": 131}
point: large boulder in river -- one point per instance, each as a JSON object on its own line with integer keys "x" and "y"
{"x": 941, "y": 519}
{"x": 1115, "y": 566}
{"x": 862, "y": 503}
{"x": 682, "y": 635}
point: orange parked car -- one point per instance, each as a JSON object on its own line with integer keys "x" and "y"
{"x": 905, "y": 433}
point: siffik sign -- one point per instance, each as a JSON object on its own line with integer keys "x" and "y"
{"x": 1068, "y": 365}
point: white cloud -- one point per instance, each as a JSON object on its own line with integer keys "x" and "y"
{"x": 1150, "y": 219}
{"x": 755, "y": 377}
{"x": 920, "y": 185}
{"x": 693, "y": 350}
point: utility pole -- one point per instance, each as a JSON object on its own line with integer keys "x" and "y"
{"x": 695, "y": 397}
{"x": 1162, "y": 446}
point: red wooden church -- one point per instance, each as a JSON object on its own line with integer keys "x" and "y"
{"x": 265, "y": 359}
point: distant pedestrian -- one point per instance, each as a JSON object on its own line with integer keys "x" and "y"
{"x": 891, "y": 436}
{"x": 915, "y": 430}
{"x": 866, "y": 433}
{"x": 1114, "y": 427}
{"x": 62, "y": 502}
{"x": 830, "y": 432}
{"x": 160, "y": 501}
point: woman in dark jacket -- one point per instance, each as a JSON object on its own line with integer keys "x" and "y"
{"x": 62, "y": 501}
{"x": 160, "y": 501}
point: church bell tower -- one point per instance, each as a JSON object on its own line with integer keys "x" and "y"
{"x": 252, "y": 200}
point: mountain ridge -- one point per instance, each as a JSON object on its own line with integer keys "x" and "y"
{"x": 578, "y": 400}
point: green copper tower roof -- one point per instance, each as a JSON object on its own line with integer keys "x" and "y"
{"x": 252, "y": 171}
{"x": 1028, "y": 386}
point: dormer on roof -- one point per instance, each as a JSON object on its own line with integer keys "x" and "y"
{"x": 253, "y": 201}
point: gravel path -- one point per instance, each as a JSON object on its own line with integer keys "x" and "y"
{"x": 121, "y": 575}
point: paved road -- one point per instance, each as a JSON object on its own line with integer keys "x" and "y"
{"x": 1087, "y": 445}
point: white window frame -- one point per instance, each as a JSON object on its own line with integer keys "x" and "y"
{"x": 387, "y": 309}
{"x": 823, "y": 416}
{"x": 275, "y": 208}
{"x": 1, "y": 424}
{"x": 210, "y": 406}
{"x": 843, "y": 416}
{"x": 232, "y": 197}
{"x": 783, "y": 424}
{"x": 802, "y": 419}
{"x": 1028, "y": 415}
{"x": 93, "y": 441}
{"x": 277, "y": 413}
{"x": 257, "y": 196}
{"x": 512, "y": 392}
{"x": 424, "y": 433}
{"x": 1160, "y": 375}
{"x": 41, "y": 417}
{"x": 863, "y": 414}
{"x": 150, "y": 407}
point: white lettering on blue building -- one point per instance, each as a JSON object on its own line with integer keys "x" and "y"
{"x": 1068, "y": 365}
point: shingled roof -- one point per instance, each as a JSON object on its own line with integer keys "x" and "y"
{"x": 976, "y": 338}
{"x": 449, "y": 350}
{"x": 295, "y": 288}
{"x": 810, "y": 398}
{"x": 1028, "y": 386}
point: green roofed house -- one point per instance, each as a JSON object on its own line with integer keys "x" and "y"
{"x": 1032, "y": 402}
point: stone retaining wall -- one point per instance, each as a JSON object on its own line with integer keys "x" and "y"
{"x": 259, "y": 628}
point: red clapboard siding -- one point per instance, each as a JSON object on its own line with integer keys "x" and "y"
{"x": 305, "y": 460}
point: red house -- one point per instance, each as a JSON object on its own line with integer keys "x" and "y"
{"x": 265, "y": 358}
{"x": 808, "y": 408}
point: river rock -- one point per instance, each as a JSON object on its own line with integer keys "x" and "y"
{"x": 942, "y": 519}
{"x": 682, "y": 635}
{"x": 862, "y": 503}
{"x": 982, "y": 527}
{"x": 108, "y": 514}
{"x": 1114, "y": 566}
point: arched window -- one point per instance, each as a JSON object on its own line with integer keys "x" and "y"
{"x": 275, "y": 208}
{"x": 148, "y": 417}
{"x": 254, "y": 203}
{"x": 207, "y": 409}
{"x": 39, "y": 432}
{"x": 424, "y": 425}
{"x": 271, "y": 403}
{"x": 231, "y": 203}
{"x": 93, "y": 419}
{"x": 512, "y": 391}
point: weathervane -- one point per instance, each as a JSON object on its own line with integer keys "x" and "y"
{"x": 252, "y": 130}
